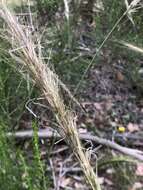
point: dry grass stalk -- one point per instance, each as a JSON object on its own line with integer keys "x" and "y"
{"x": 48, "y": 83}
{"x": 134, "y": 3}
{"x": 67, "y": 11}
{"x": 132, "y": 47}
{"x": 130, "y": 8}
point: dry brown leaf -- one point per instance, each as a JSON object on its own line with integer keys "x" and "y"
{"x": 139, "y": 170}
{"x": 110, "y": 171}
{"x": 108, "y": 182}
{"x": 79, "y": 186}
{"x": 101, "y": 180}
{"x": 64, "y": 182}
{"x": 120, "y": 77}
{"x": 132, "y": 127}
{"x": 82, "y": 130}
{"x": 98, "y": 106}
{"x": 136, "y": 186}
{"x": 108, "y": 105}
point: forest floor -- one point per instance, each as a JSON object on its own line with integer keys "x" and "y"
{"x": 113, "y": 109}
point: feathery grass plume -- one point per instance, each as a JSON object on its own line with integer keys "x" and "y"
{"x": 129, "y": 14}
{"x": 134, "y": 3}
{"x": 48, "y": 83}
{"x": 132, "y": 8}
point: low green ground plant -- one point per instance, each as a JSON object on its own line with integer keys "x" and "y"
{"x": 17, "y": 171}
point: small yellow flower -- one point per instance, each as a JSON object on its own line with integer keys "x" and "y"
{"x": 121, "y": 129}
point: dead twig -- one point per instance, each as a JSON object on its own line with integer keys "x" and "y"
{"x": 46, "y": 133}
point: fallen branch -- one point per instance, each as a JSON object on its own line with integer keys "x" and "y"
{"x": 46, "y": 133}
